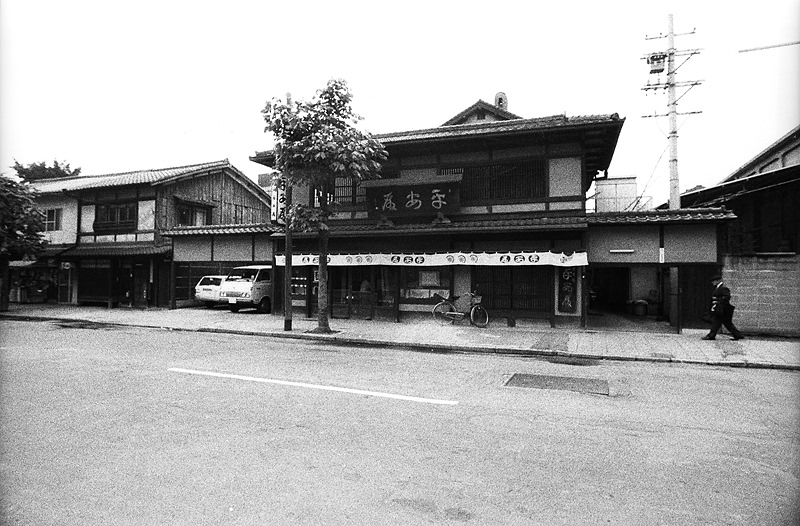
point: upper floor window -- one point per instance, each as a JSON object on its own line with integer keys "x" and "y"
{"x": 515, "y": 181}
{"x": 348, "y": 192}
{"x": 116, "y": 217}
{"x": 194, "y": 215}
{"x": 52, "y": 219}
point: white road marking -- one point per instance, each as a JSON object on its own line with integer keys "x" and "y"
{"x": 315, "y": 386}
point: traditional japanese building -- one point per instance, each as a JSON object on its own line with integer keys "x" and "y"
{"x": 105, "y": 232}
{"x": 493, "y": 202}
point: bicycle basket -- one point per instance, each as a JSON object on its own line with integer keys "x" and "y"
{"x": 476, "y": 299}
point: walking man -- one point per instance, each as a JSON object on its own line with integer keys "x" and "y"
{"x": 721, "y": 311}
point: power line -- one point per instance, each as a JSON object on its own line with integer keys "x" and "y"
{"x": 769, "y": 47}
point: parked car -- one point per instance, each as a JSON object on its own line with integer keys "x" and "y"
{"x": 207, "y": 290}
{"x": 248, "y": 286}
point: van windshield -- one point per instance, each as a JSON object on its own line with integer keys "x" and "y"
{"x": 242, "y": 274}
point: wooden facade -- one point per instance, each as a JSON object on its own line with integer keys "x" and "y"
{"x": 485, "y": 182}
{"x": 108, "y": 245}
{"x": 490, "y": 182}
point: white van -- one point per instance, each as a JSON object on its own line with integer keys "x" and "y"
{"x": 247, "y": 287}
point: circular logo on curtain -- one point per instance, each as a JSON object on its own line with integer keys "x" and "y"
{"x": 349, "y": 259}
{"x": 408, "y": 260}
{"x": 462, "y": 258}
{"x": 519, "y": 258}
{"x": 369, "y": 259}
{"x": 450, "y": 258}
{"x": 395, "y": 259}
{"x": 505, "y": 259}
{"x": 533, "y": 258}
{"x": 419, "y": 260}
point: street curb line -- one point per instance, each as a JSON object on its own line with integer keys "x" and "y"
{"x": 432, "y": 348}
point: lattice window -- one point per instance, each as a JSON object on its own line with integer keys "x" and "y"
{"x": 503, "y": 181}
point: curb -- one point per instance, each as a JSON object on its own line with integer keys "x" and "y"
{"x": 333, "y": 339}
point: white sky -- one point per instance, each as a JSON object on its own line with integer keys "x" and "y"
{"x": 112, "y": 86}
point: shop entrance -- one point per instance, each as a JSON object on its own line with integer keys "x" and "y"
{"x": 609, "y": 289}
{"x": 364, "y": 292}
{"x": 65, "y": 283}
{"x": 141, "y": 284}
{"x": 522, "y": 291}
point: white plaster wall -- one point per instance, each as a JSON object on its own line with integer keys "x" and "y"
{"x": 69, "y": 218}
{"x": 147, "y": 215}
{"x": 565, "y": 176}
{"x": 87, "y": 218}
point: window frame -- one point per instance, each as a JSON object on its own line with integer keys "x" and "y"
{"x": 110, "y": 219}
{"x": 192, "y": 209}
{"x": 349, "y": 192}
{"x": 54, "y": 224}
{"x": 515, "y": 181}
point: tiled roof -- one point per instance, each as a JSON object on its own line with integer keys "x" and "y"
{"x": 116, "y": 249}
{"x": 683, "y": 215}
{"x": 482, "y": 105}
{"x": 206, "y": 230}
{"x": 497, "y": 127}
{"x": 463, "y": 226}
{"x": 153, "y": 176}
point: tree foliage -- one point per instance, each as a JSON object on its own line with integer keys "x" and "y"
{"x": 37, "y": 171}
{"x": 22, "y": 224}
{"x": 315, "y": 143}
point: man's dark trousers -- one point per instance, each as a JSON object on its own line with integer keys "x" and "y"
{"x": 726, "y": 319}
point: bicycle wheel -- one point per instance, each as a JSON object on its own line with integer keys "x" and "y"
{"x": 440, "y": 311}
{"x": 478, "y": 316}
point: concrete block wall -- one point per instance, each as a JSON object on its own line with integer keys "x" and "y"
{"x": 766, "y": 292}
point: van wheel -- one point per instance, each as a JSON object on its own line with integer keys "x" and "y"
{"x": 233, "y": 308}
{"x": 264, "y": 306}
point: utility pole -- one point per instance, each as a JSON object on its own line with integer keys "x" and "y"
{"x": 287, "y": 278}
{"x": 656, "y": 61}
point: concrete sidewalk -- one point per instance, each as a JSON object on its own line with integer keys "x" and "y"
{"x": 427, "y": 335}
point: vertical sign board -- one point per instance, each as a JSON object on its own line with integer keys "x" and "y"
{"x": 278, "y": 212}
{"x": 568, "y": 289}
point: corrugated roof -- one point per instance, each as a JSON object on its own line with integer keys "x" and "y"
{"x": 150, "y": 176}
{"x": 683, "y": 215}
{"x": 497, "y": 127}
{"x": 206, "y": 230}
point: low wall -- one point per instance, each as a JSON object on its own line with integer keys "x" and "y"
{"x": 765, "y": 289}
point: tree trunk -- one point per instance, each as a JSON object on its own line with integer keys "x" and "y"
{"x": 323, "y": 305}
{"x": 5, "y": 283}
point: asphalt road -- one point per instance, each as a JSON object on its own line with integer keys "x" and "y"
{"x": 118, "y": 426}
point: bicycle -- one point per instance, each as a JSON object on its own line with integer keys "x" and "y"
{"x": 469, "y": 304}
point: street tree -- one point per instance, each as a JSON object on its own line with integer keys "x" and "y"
{"x": 317, "y": 142}
{"x": 22, "y": 224}
{"x": 37, "y": 171}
